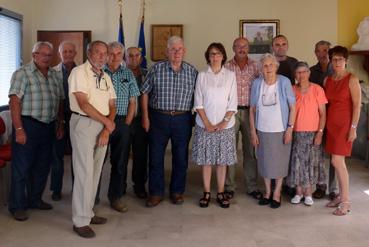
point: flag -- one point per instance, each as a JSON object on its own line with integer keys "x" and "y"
{"x": 142, "y": 45}
{"x": 120, "y": 32}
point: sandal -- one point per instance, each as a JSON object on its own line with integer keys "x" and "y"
{"x": 204, "y": 201}
{"x": 334, "y": 203}
{"x": 222, "y": 200}
{"x": 342, "y": 209}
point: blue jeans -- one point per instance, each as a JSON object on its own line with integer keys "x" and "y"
{"x": 30, "y": 164}
{"x": 162, "y": 128}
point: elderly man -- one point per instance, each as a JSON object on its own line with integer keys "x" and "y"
{"x": 246, "y": 71}
{"x": 126, "y": 90}
{"x": 166, "y": 114}
{"x": 286, "y": 64}
{"x": 318, "y": 73}
{"x": 92, "y": 102}
{"x": 36, "y": 105}
{"x": 67, "y": 53}
{"x": 139, "y": 136}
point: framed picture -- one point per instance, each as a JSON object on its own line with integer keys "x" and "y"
{"x": 159, "y": 37}
{"x": 260, "y": 34}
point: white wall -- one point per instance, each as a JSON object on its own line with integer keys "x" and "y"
{"x": 303, "y": 22}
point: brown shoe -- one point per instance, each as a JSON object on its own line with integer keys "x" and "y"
{"x": 153, "y": 201}
{"x": 84, "y": 231}
{"x": 119, "y": 206}
{"x": 97, "y": 220}
{"x": 177, "y": 198}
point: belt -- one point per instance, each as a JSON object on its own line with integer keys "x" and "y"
{"x": 243, "y": 107}
{"x": 171, "y": 113}
{"x": 79, "y": 114}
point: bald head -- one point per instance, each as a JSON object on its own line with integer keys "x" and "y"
{"x": 133, "y": 58}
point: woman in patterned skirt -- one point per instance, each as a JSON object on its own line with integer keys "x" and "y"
{"x": 214, "y": 139}
{"x": 307, "y": 153}
{"x": 344, "y": 99}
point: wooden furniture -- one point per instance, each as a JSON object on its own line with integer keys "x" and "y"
{"x": 159, "y": 37}
{"x": 80, "y": 38}
{"x": 366, "y": 58}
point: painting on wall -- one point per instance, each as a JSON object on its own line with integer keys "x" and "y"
{"x": 260, "y": 34}
{"x": 159, "y": 37}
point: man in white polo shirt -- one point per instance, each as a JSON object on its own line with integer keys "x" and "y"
{"x": 92, "y": 102}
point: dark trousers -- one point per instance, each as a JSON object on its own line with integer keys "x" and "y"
{"x": 30, "y": 164}
{"x": 162, "y": 128}
{"x": 57, "y": 165}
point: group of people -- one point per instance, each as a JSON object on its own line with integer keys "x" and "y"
{"x": 278, "y": 105}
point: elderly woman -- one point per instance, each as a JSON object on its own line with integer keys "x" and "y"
{"x": 272, "y": 117}
{"x": 214, "y": 139}
{"x": 344, "y": 98}
{"x": 307, "y": 161}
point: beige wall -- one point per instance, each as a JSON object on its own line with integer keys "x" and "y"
{"x": 204, "y": 21}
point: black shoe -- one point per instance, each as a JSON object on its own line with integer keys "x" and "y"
{"x": 204, "y": 201}
{"x": 319, "y": 193}
{"x": 264, "y": 201}
{"x": 142, "y": 194}
{"x": 222, "y": 200}
{"x": 20, "y": 215}
{"x": 229, "y": 194}
{"x": 43, "y": 206}
{"x": 56, "y": 196}
{"x": 255, "y": 194}
{"x": 275, "y": 204}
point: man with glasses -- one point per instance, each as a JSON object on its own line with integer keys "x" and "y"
{"x": 92, "y": 102}
{"x": 139, "y": 136}
{"x": 36, "y": 106}
{"x": 246, "y": 71}
{"x": 67, "y": 53}
{"x": 166, "y": 114}
{"x": 120, "y": 141}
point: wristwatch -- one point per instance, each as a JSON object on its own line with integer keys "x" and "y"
{"x": 353, "y": 126}
{"x": 290, "y": 126}
{"x": 227, "y": 119}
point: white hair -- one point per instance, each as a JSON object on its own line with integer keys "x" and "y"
{"x": 268, "y": 56}
{"x": 116, "y": 44}
{"x": 66, "y": 42}
{"x": 38, "y": 44}
{"x": 174, "y": 39}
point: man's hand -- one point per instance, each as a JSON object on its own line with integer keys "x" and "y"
{"x": 60, "y": 131}
{"x": 103, "y": 138}
{"x": 20, "y": 136}
{"x": 109, "y": 125}
{"x": 145, "y": 123}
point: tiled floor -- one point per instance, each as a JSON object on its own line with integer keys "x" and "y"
{"x": 243, "y": 224}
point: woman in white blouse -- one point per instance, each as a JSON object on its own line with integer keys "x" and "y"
{"x": 214, "y": 139}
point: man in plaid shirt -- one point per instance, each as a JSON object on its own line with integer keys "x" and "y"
{"x": 126, "y": 90}
{"x": 246, "y": 71}
{"x": 166, "y": 102}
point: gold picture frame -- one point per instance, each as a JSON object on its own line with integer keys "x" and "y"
{"x": 159, "y": 37}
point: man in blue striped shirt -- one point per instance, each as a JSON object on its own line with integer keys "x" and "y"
{"x": 126, "y": 90}
{"x": 166, "y": 114}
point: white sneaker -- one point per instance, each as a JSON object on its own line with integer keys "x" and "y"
{"x": 308, "y": 201}
{"x": 296, "y": 199}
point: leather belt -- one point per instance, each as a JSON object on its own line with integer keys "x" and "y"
{"x": 172, "y": 113}
{"x": 243, "y": 107}
{"x": 79, "y": 114}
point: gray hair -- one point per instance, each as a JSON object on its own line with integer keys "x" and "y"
{"x": 322, "y": 42}
{"x": 38, "y": 44}
{"x": 116, "y": 44}
{"x": 93, "y": 43}
{"x": 302, "y": 64}
{"x": 268, "y": 56}
{"x": 174, "y": 39}
{"x": 66, "y": 42}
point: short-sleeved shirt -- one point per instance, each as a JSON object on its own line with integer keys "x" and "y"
{"x": 317, "y": 75}
{"x": 307, "y": 107}
{"x": 287, "y": 67}
{"x": 216, "y": 94}
{"x": 244, "y": 79}
{"x": 99, "y": 89}
{"x": 40, "y": 95}
{"x": 170, "y": 90}
{"x": 125, "y": 87}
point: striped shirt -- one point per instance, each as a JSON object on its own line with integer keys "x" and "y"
{"x": 170, "y": 90}
{"x": 244, "y": 79}
{"x": 125, "y": 86}
{"x": 40, "y": 96}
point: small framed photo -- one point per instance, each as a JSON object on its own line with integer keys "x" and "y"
{"x": 159, "y": 37}
{"x": 260, "y": 34}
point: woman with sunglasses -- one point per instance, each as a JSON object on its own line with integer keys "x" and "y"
{"x": 272, "y": 116}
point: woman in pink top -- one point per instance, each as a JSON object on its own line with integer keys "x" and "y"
{"x": 307, "y": 154}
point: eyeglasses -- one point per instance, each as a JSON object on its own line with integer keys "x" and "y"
{"x": 215, "y": 54}
{"x": 100, "y": 78}
{"x": 173, "y": 50}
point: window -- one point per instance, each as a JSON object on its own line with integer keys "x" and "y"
{"x": 10, "y": 49}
